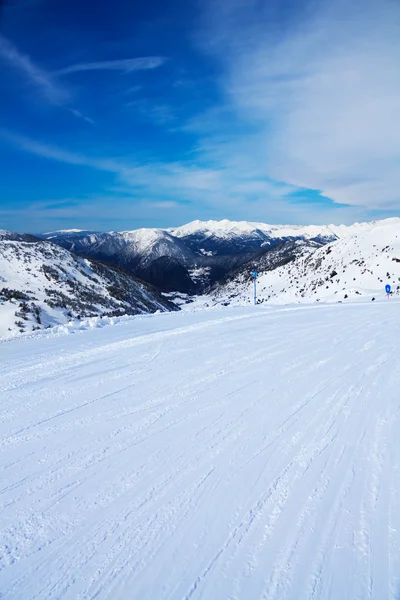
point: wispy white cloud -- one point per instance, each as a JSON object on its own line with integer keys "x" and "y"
{"x": 35, "y": 75}
{"x": 79, "y": 115}
{"x": 94, "y": 213}
{"x": 223, "y": 187}
{"x": 48, "y": 83}
{"x": 125, "y": 65}
{"x": 45, "y": 82}
{"x": 322, "y": 88}
{"x": 161, "y": 114}
{"x": 54, "y": 153}
{"x": 163, "y": 205}
{"x": 233, "y": 184}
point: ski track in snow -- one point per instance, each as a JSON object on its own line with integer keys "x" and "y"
{"x": 242, "y": 454}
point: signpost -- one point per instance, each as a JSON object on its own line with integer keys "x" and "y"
{"x": 255, "y": 274}
{"x": 388, "y": 288}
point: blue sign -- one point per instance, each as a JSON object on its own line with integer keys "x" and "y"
{"x": 387, "y": 288}
{"x": 255, "y": 273}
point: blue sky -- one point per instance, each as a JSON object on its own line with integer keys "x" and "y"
{"x": 151, "y": 113}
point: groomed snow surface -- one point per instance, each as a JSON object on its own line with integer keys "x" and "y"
{"x": 248, "y": 453}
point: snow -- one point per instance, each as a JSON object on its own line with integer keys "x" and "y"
{"x": 199, "y": 273}
{"x": 65, "y": 231}
{"x": 243, "y": 453}
{"x": 349, "y": 230}
{"x": 216, "y": 227}
{"x": 226, "y": 228}
{"x": 348, "y": 269}
{"x": 143, "y": 239}
{"x": 150, "y": 244}
{"x": 77, "y": 326}
{"x": 57, "y": 288}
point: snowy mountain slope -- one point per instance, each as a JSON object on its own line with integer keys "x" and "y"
{"x": 88, "y": 242}
{"x": 17, "y": 237}
{"x": 66, "y": 232}
{"x": 196, "y": 255}
{"x": 154, "y": 255}
{"x": 279, "y": 255}
{"x": 137, "y": 245}
{"x": 250, "y": 453}
{"x": 230, "y": 237}
{"x": 227, "y": 229}
{"x": 348, "y": 269}
{"x": 144, "y": 246}
{"x": 42, "y": 285}
{"x": 219, "y": 234}
{"x": 344, "y": 231}
{"x": 66, "y": 238}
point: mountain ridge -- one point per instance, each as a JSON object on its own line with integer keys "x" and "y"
{"x": 195, "y": 256}
{"x": 226, "y": 225}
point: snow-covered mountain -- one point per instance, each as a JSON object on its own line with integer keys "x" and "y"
{"x": 230, "y": 237}
{"x": 42, "y": 284}
{"x": 156, "y": 256}
{"x": 226, "y": 228}
{"x": 17, "y": 237}
{"x": 354, "y": 267}
{"x": 236, "y": 236}
{"x": 66, "y": 235}
{"x": 197, "y": 255}
{"x": 151, "y": 254}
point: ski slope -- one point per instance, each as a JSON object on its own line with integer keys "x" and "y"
{"x": 241, "y": 454}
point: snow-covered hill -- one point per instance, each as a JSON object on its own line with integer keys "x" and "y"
{"x": 354, "y": 267}
{"x": 43, "y": 285}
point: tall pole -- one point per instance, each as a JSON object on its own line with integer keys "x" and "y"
{"x": 255, "y": 286}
